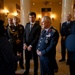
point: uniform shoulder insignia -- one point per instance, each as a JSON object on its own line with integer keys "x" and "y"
{"x": 53, "y": 30}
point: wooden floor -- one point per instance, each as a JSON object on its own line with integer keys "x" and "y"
{"x": 63, "y": 68}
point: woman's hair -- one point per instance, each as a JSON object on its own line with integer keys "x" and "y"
{"x": 2, "y": 30}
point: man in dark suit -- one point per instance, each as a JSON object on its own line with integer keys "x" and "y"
{"x": 65, "y": 31}
{"x": 46, "y": 47}
{"x": 31, "y": 36}
{"x": 70, "y": 45}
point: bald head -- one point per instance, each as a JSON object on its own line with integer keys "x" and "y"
{"x": 46, "y": 22}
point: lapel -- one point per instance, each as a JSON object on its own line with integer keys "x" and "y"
{"x": 43, "y": 33}
{"x": 28, "y": 28}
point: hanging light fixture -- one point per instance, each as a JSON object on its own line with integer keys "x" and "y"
{"x": 46, "y": 2}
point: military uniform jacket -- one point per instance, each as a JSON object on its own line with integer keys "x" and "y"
{"x": 65, "y": 29}
{"x": 73, "y": 27}
{"x": 47, "y": 43}
{"x": 15, "y": 32}
{"x": 20, "y": 32}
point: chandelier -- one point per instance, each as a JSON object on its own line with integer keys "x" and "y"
{"x": 46, "y": 2}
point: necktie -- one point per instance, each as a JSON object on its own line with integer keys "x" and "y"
{"x": 31, "y": 26}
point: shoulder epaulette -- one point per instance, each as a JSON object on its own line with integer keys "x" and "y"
{"x": 53, "y": 30}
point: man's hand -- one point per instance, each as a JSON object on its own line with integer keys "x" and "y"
{"x": 29, "y": 48}
{"x": 24, "y": 46}
{"x": 39, "y": 53}
{"x": 19, "y": 54}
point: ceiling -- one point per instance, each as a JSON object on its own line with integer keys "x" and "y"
{"x": 52, "y": 1}
{"x": 46, "y": 2}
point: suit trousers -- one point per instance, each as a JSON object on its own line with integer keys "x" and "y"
{"x": 28, "y": 56}
{"x": 18, "y": 48}
{"x": 72, "y": 67}
{"x": 63, "y": 50}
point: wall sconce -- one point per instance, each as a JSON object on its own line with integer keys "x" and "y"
{"x": 52, "y": 17}
{"x": 15, "y": 14}
{"x": 6, "y": 12}
{"x": 46, "y": 2}
{"x": 39, "y": 17}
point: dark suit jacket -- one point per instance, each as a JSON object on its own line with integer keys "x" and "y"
{"x": 73, "y": 27}
{"x": 47, "y": 43}
{"x": 31, "y": 37}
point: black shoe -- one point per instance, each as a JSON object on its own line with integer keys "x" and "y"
{"x": 22, "y": 67}
{"x": 26, "y": 73}
{"x": 61, "y": 60}
{"x": 35, "y": 73}
{"x": 56, "y": 70}
{"x": 67, "y": 63}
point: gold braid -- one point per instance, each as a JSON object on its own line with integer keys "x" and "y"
{"x": 14, "y": 33}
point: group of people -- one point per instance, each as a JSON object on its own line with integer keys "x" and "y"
{"x": 37, "y": 41}
{"x": 67, "y": 30}
{"x": 14, "y": 33}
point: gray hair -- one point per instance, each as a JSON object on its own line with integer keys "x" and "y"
{"x": 47, "y": 18}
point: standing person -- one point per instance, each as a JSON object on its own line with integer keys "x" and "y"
{"x": 31, "y": 36}
{"x": 8, "y": 27}
{"x": 14, "y": 33}
{"x": 18, "y": 45}
{"x": 70, "y": 44}
{"x": 11, "y": 34}
{"x": 46, "y": 47}
{"x": 7, "y": 59}
{"x": 65, "y": 31}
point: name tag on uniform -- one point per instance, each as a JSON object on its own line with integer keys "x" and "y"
{"x": 47, "y": 36}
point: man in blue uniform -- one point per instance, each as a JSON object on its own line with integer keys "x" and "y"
{"x": 70, "y": 45}
{"x": 65, "y": 31}
{"x": 46, "y": 47}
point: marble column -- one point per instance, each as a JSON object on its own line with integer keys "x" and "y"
{"x": 25, "y": 9}
{"x": 67, "y": 8}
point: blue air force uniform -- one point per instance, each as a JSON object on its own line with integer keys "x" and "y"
{"x": 70, "y": 45}
{"x": 64, "y": 31}
{"x": 47, "y": 45}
